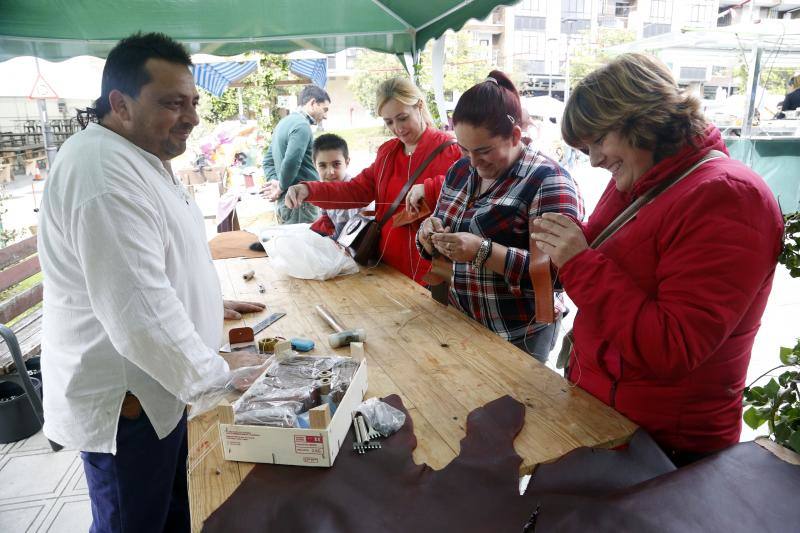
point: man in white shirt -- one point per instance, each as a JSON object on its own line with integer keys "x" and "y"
{"x": 132, "y": 305}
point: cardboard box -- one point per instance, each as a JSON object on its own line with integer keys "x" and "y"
{"x": 293, "y": 446}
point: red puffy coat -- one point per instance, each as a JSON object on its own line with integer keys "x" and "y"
{"x": 669, "y": 306}
{"x": 382, "y": 181}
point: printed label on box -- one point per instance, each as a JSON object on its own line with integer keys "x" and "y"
{"x": 309, "y": 445}
{"x": 237, "y": 437}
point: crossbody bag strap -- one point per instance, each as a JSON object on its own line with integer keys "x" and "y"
{"x": 629, "y": 212}
{"x": 420, "y": 169}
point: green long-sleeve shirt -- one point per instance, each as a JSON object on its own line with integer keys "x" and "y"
{"x": 288, "y": 160}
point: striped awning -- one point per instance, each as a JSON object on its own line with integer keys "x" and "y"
{"x": 314, "y": 69}
{"x": 215, "y": 77}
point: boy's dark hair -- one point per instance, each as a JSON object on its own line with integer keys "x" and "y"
{"x": 329, "y": 141}
{"x": 312, "y": 92}
{"x": 125, "y": 71}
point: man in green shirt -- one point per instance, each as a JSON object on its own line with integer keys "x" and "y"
{"x": 288, "y": 159}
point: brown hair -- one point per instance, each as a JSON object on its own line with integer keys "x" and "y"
{"x": 492, "y": 104}
{"x": 635, "y": 95}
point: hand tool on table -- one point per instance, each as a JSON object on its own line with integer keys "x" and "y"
{"x": 362, "y": 441}
{"x": 258, "y": 328}
{"x": 343, "y": 336}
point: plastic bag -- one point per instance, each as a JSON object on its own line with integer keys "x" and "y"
{"x": 207, "y": 395}
{"x": 275, "y": 414}
{"x": 381, "y": 416}
{"x": 308, "y": 255}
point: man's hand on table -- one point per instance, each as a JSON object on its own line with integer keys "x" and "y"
{"x": 234, "y": 308}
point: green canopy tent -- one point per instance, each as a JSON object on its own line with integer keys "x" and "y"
{"x": 60, "y": 29}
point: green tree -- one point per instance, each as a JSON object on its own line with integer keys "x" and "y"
{"x": 464, "y": 66}
{"x": 774, "y": 80}
{"x": 586, "y": 58}
{"x": 258, "y": 92}
{"x": 372, "y": 68}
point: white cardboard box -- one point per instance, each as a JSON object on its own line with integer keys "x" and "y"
{"x": 293, "y": 446}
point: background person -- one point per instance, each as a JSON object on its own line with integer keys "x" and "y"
{"x": 402, "y": 106}
{"x": 331, "y": 158}
{"x": 133, "y": 312}
{"x": 669, "y": 305}
{"x": 481, "y": 218}
{"x": 288, "y": 160}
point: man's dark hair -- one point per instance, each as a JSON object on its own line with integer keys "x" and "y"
{"x": 312, "y": 92}
{"x": 125, "y": 71}
{"x": 329, "y": 141}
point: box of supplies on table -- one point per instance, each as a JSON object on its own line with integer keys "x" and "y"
{"x": 293, "y": 445}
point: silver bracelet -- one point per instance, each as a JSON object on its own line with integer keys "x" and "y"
{"x": 484, "y": 251}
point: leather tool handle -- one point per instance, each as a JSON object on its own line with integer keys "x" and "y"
{"x": 542, "y": 279}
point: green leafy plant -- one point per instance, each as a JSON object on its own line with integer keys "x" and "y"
{"x": 777, "y": 403}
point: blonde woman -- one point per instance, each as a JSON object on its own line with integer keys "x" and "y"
{"x": 402, "y": 106}
{"x": 669, "y": 304}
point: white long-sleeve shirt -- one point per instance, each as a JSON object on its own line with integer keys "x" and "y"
{"x": 131, "y": 297}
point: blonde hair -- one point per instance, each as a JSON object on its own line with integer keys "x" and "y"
{"x": 404, "y": 91}
{"x": 636, "y": 96}
{"x": 794, "y": 81}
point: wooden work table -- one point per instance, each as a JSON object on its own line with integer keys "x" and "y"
{"x": 442, "y": 364}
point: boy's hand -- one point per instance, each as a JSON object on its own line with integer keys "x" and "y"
{"x": 415, "y": 197}
{"x": 296, "y": 195}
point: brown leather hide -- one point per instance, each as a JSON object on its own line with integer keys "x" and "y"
{"x": 384, "y": 491}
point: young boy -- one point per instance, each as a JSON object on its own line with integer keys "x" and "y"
{"x": 331, "y": 159}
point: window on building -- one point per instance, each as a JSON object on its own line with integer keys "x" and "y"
{"x": 651, "y": 29}
{"x": 533, "y": 7}
{"x": 332, "y": 62}
{"x": 575, "y": 9}
{"x": 529, "y": 23}
{"x": 700, "y": 11}
{"x": 622, "y": 9}
{"x": 692, "y": 74}
{"x": 530, "y": 45}
{"x": 660, "y": 11}
{"x": 351, "y": 56}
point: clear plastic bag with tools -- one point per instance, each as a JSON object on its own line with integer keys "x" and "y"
{"x": 304, "y": 381}
{"x": 207, "y": 395}
{"x": 282, "y": 414}
{"x": 381, "y": 416}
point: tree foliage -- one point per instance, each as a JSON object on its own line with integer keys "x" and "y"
{"x": 464, "y": 65}
{"x": 259, "y": 91}
{"x": 774, "y": 80}
{"x": 372, "y": 68}
{"x": 585, "y": 59}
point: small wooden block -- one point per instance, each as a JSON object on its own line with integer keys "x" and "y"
{"x": 357, "y": 350}
{"x": 239, "y": 335}
{"x": 319, "y": 417}
{"x": 283, "y": 349}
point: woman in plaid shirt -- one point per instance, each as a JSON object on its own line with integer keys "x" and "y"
{"x": 481, "y": 219}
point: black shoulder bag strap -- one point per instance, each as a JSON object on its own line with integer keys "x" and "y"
{"x": 420, "y": 169}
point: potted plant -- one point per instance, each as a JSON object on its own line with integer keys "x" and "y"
{"x": 777, "y": 403}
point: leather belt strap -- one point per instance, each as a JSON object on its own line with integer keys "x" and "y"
{"x": 131, "y": 407}
{"x": 541, "y": 274}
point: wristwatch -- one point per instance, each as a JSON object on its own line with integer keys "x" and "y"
{"x": 484, "y": 251}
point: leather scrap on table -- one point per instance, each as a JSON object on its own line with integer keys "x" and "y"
{"x": 234, "y": 244}
{"x": 743, "y": 488}
{"x": 385, "y": 491}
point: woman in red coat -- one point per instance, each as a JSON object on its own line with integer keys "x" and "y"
{"x": 669, "y": 305}
{"x": 402, "y": 107}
